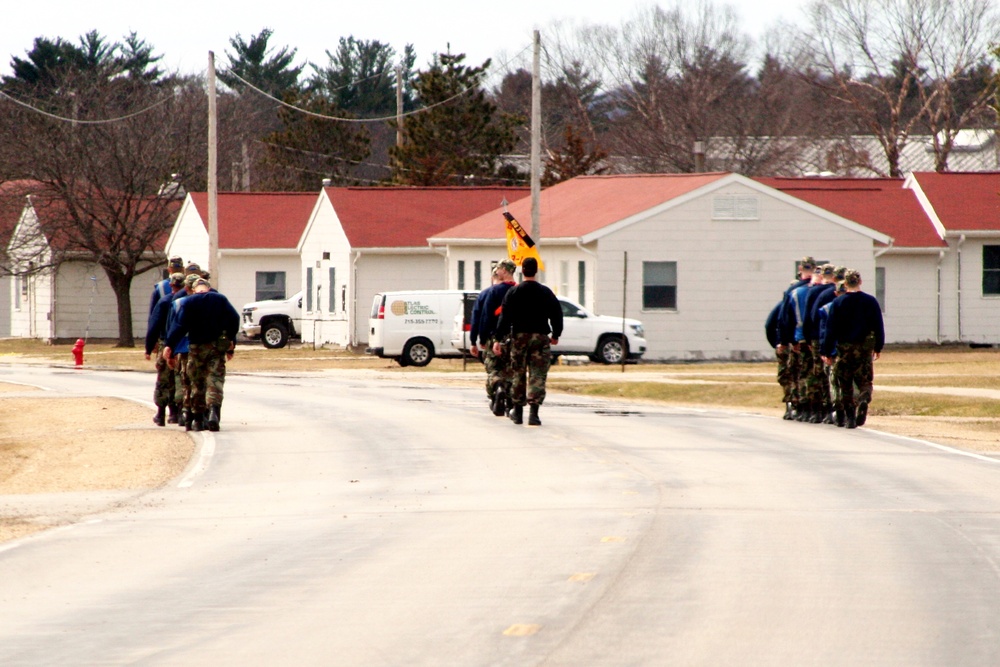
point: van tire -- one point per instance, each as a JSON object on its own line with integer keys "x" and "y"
{"x": 611, "y": 349}
{"x": 274, "y": 335}
{"x": 417, "y": 352}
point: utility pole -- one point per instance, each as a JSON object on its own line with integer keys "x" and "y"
{"x": 399, "y": 104}
{"x": 213, "y": 184}
{"x": 536, "y": 130}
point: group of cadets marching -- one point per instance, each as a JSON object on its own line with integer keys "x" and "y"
{"x": 513, "y": 328}
{"x": 827, "y": 334}
{"x": 192, "y": 333}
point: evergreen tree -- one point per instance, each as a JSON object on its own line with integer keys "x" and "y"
{"x": 259, "y": 65}
{"x": 361, "y": 77}
{"x": 310, "y": 149}
{"x": 462, "y": 136}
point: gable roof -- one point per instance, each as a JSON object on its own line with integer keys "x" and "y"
{"x": 272, "y": 220}
{"x": 399, "y": 217}
{"x": 960, "y": 201}
{"x": 13, "y": 200}
{"x": 881, "y": 204}
{"x": 585, "y": 204}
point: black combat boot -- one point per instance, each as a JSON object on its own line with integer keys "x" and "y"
{"x": 816, "y": 414}
{"x": 517, "y": 414}
{"x": 827, "y": 414}
{"x": 862, "y": 413}
{"x": 196, "y": 421}
{"x": 852, "y": 421}
{"x": 499, "y": 401}
{"x": 185, "y": 419}
{"x": 175, "y": 414}
{"x": 839, "y": 417}
{"x": 533, "y": 419}
{"x": 212, "y": 418}
{"x": 161, "y": 415}
{"x": 789, "y": 411}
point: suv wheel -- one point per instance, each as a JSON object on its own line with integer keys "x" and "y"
{"x": 612, "y": 349}
{"x": 274, "y": 334}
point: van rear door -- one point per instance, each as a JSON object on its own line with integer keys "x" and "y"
{"x": 376, "y": 326}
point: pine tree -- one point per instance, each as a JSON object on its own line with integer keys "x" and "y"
{"x": 462, "y": 136}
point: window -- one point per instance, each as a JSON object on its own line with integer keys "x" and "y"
{"x": 581, "y": 274}
{"x": 461, "y": 274}
{"x": 659, "y": 285}
{"x": 270, "y": 285}
{"x": 880, "y": 286}
{"x": 309, "y": 289}
{"x": 991, "y": 269}
{"x": 333, "y": 292}
{"x": 477, "y": 274}
{"x": 563, "y": 277}
{"x": 735, "y": 207}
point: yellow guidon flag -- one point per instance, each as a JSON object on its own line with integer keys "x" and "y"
{"x": 519, "y": 244}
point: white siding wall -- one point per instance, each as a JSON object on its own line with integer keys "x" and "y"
{"x": 324, "y": 247}
{"x": 6, "y": 293}
{"x": 969, "y": 315}
{"x": 561, "y": 272}
{"x": 910, "y": 297}
{"x": 86, "y": 306}
{"x": 238, "y": 274}
{"x": 30, "y": 307}
{"x": 189, "y": 237}
{"x": 729, "y": 273}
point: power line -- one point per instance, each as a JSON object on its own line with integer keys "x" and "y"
{"x": 84, "y": 122}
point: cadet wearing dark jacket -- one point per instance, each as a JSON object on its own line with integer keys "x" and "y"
{"x": 530, "y": 313}
{"x": 211, "y": 324}
{"x": 855, "y": 333}
{"x": 156, "y": 332}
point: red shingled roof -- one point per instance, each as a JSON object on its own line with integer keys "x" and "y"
{"x": 877, "y": 203}
{"x": 407, "y": 216}
{"x": 584, "y": 204}
{"x": 259, "y": 219}
{"x": 963, "y": 201}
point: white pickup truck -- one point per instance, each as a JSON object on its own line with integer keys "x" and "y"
{"x": 273, "y": 321}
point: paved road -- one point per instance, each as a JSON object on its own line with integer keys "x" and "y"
{"x": 340, "y": 520}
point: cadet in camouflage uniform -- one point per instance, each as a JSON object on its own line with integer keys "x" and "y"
{"x": 835, "y": 396}
{"x": 782, "y": 329}
{"x": 156, "y": 332}
{"x": 182, "y": 384}
{"x": 498, "y": 369}
{"x": 799, "y": 358}
{"x": 211, "y": 324}
{"x": 818, "y": 381}
{"x": 855, "y": 332}
{"x": 529, "y": 314}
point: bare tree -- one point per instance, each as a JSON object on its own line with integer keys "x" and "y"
{"x": 101, "y": 151}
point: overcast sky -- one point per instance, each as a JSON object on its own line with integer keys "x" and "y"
{"x": 184, "y": 31}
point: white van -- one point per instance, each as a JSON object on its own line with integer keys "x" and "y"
{"x": 413, "y": 327}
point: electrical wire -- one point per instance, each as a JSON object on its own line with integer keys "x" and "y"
{"x": 84, "y": 122}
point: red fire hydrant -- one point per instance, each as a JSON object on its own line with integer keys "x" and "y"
{"x": 78, "y": 352}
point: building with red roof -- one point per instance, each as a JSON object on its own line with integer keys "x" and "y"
{"x": 259, "y": 237}
{"x": 700, "y": 259}
{"x": 364, "y": 240}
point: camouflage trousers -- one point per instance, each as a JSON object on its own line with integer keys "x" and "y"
{"x": 207, "y": 373}
{"x": 799, "y": 363}
{"x": 182, "y": 385}
{"x": 785, "y": 377}
{"x": 855, "y": 366}
{"x": 836, "y": 399}
{"x": 163, "y": 394}
{"x": 530, "y": 358}
{"x": 817, "y": 381}
{"x": 497, "y": 367}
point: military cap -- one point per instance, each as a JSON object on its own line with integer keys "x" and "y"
{"x": 189, "y": 280}
{"x": 807, "y": 263}
{"x": 840, "y": 272}
{"x": 828, "y": 270}
{"x": 507, "y": 265}
{"x": 176, "y": 279}
{"x": 175, "y": 265}
{"x": 201, "y": 282}
{"x": 852, "y": 279}
{"x": 192, "y": 268}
